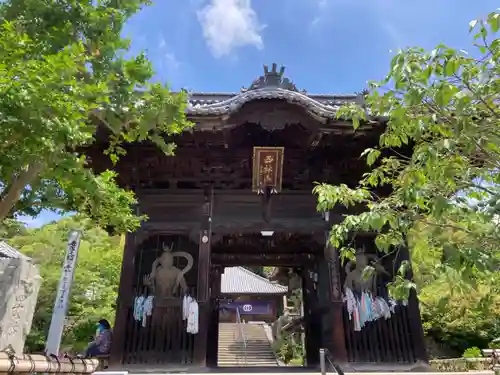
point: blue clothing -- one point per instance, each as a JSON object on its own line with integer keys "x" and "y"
{"x": 101, "y": 345}
{"x": 93, "y": 351}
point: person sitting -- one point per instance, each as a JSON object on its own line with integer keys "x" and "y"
{"x": 102, "y": 342}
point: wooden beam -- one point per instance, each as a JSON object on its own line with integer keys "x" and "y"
{"x": 263, "y": 259}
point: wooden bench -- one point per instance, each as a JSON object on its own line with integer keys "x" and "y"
{"x": 494, "y": 354}
{"x": 103, "y": 361}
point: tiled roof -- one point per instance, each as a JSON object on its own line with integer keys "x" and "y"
{"x": 7, "y": 251}
{"x": 271, "y": 85}
{"x": 238, "y": 280}
{"x": 322, "y": 108}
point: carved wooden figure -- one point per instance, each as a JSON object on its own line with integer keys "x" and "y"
{"x": 165, "y": 279}
{"x": 358, "y": 278}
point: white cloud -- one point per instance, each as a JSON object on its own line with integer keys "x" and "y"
{"x": 229, "y": 24}
{"x": 168, "y": 60}
{"x": 171, "y": 60}
{"x": 327, "y": 10}
{"x": 163, "y": 43}
{"x": 322, "y": 4}
{"x": 386, "y": 12}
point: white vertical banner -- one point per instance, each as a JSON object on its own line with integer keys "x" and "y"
{"x": 63, "y": 293}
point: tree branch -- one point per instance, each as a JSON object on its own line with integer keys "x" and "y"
{"x": 13, "y": 192}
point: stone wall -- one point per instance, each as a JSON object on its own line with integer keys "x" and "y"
{"x": 19, "y": 284}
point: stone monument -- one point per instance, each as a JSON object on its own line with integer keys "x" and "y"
{"x": 19, "y": 284}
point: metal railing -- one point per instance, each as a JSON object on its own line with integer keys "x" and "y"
{"x": 327, "y": 363}
{"x": 241, "y": 332}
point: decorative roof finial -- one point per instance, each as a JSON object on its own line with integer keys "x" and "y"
{"x": 272, "y": 79}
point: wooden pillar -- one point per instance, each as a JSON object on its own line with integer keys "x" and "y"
{"x": 414, "y": 319}
{"x": 338, "y": 343}
{"x": 203, "y": 294}
{"x": 124, "y": 300}
{"x": 311, "y": 318}
{"x": 213, "y": 322}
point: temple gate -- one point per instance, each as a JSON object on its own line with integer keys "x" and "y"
{"x": 208, "y": 210}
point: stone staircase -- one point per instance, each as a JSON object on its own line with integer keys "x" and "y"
{"x": 231, "y": 351}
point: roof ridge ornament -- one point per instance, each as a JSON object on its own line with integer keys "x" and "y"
{"x": 273, "y": 79}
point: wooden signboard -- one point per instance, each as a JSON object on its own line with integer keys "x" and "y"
{"x": 267, "y": 168}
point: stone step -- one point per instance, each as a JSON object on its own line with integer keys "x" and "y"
{"x": 228, "y": 334}
{"x": 242, "y": 360}
{"x": 254, "y": 339}
{"x": 248, "y": 344}
{"x": 241, "y": 343}
{"x": 236, "y": 334}
{"x": 252, "y": 354}
{"x": 243, "y": 354}
{"x": 246, "y": 333}
{"x": 233, "y": 352}
{"x": 231, "y": 349}
{"x": 248, "y": 339}
{"x": 248, "y": 347}
{"x": 243, "y": 347}
{"x": 258, "y": 333}
{"x": 247, "y": 364}
{"x": 267, "y": 349}
{"x": 253, "y": 344}
{"x": 248, "y": 358}
{"x": 248, "y": 354}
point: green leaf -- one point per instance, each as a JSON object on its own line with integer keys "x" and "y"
{"x": 372, "y": 157}
{"x": 355, "y": 122}
{"x": 472, "y": 25}
{"x": 494, "y": 22}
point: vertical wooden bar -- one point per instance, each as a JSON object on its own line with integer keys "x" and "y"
{"x": 213, "y": 321}
{"x": 413, "y": 317}
{"x": 338, "y": 342}
{"x": 123, "y": 301}
{"x": 203, "y": 286}
{"x": 312, "y": 326}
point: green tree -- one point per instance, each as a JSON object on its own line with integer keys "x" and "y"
{"x": 95, "y": 287}
{"x": 63, "y": 76}
{"x": 438, "y": 155}
{"x": 456, "y": 314}
{"x": 10, "y": 228}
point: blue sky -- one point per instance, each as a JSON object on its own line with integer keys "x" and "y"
{"x": 328, "y": 46}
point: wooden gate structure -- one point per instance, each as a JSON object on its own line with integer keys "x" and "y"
{"x": 208, "y": 209}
